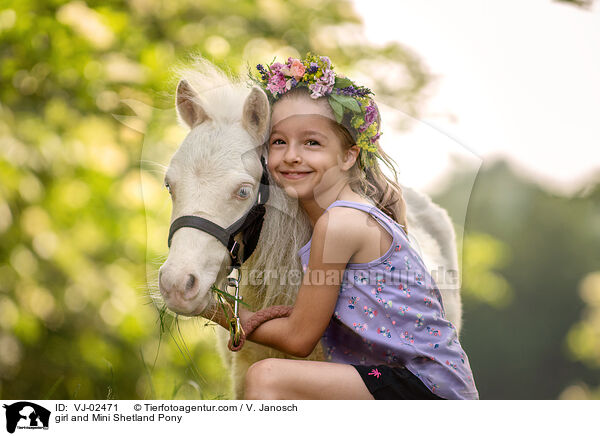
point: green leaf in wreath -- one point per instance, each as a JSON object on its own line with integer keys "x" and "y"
{"x": 342, "y": 82}
{"x": 338, "y": 109}
{"x": 347, "y": 101}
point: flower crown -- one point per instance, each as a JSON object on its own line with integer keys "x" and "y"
{"x": 316, "y": 73}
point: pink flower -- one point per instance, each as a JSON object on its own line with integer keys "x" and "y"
{"x": 295, "y": 68}
{"x": 276, "y": 83}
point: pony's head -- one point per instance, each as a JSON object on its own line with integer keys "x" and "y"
{"x": 214, "y": 174}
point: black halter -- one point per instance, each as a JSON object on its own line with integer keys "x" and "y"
{"x": 250, "y": 224}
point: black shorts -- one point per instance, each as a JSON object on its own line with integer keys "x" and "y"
{"x": 394, "y": 383}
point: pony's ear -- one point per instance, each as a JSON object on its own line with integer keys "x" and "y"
{"x": 255, "y": 118}
{"x": 188, "y": 105}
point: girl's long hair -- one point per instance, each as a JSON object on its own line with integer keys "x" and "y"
{"x": 372, "y": 183}
{"x": 369, "y": 182}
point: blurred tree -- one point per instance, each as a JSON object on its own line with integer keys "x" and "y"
{"x": 75, "y": 316}
{"x": 525, "y": 252}
{"x": 581, "y": 3}
{"x": 583, "y": 340}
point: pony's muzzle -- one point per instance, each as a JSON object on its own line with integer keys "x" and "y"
{"x": 177, "y": 287}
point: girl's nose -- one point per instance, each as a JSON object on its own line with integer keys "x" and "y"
{"x": 292, "y": 155}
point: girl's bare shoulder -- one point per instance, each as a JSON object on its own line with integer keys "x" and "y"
{"x": 348, "y": 225}
{"x": 338, "y": 234}
{"x": 349, "y": 218}
{"x": 358, "y": 229}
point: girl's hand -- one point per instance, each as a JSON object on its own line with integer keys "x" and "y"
{"x": 214, "y": 312}
{"x": 245, "y": 315}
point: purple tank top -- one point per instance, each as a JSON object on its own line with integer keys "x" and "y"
{"x": 389, "y": 311}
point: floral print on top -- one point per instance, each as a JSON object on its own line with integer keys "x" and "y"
{"x": 390, "y": 312}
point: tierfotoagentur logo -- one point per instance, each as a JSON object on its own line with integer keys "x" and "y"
{"x": 26, "y": 415}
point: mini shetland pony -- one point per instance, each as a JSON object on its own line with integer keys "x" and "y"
{"x": 215, "y": 174}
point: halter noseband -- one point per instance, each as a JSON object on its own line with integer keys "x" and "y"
{"x": 250, "y": 224}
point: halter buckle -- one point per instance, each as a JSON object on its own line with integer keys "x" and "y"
{"x": 235, "y": 325}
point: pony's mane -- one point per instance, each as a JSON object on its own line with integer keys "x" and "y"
{"x": 285, "y": 230}
{"x": 221, "y": 94}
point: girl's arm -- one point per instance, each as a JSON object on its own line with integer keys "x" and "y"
{"x": 333, "y": 244}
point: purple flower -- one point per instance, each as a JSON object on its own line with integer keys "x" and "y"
{"x": 314, "y": 67}
{"x": 327, "y": 61}
{"x": 349, "y": 90}
{"x": 318, "y": 90}
{"x": 275, "y": 67}
{"x": 375, "y": 138}
{"x": 370, "y": 114}
{"x": 354, "y": 91}
{"x": 291, "y": 83}
{"x": 263, "y": 73}
{"x": 324, "y": 85}
{"x": 328, "y": 78}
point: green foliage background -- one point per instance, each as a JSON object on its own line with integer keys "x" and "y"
{"x": 76, "y": 319}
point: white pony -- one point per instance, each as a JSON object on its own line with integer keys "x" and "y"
{"x": 219, "y": 160}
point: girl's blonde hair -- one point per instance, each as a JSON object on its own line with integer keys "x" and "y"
{"x": 369, "y": 182}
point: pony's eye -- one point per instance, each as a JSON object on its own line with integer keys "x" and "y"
{"x": 244, "y": 192}
{"x": 168, "y": 188}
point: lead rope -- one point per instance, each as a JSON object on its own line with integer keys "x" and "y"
{"x": 238, "y": 331}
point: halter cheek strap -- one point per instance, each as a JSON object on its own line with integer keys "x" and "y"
{"x": 250, "y": 224}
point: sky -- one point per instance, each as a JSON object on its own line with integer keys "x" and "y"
{"x": 514, "y": 79}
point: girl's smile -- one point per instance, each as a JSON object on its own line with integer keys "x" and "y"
{"x": 295, "y": 175}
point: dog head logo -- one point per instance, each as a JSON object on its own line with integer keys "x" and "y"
{"x": 26, "y": 415}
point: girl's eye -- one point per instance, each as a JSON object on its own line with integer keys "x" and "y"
{"x": 244, "y": 192}
{"x": 313, "y": 142}
{"x": 277, "y": 142}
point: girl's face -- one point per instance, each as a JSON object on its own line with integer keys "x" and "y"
{"x": 306, "y": 156}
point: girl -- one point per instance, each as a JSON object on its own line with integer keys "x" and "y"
{"x": 366, "y": 293}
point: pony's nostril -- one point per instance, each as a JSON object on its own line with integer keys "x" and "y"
{"x": 190, "y": 282}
